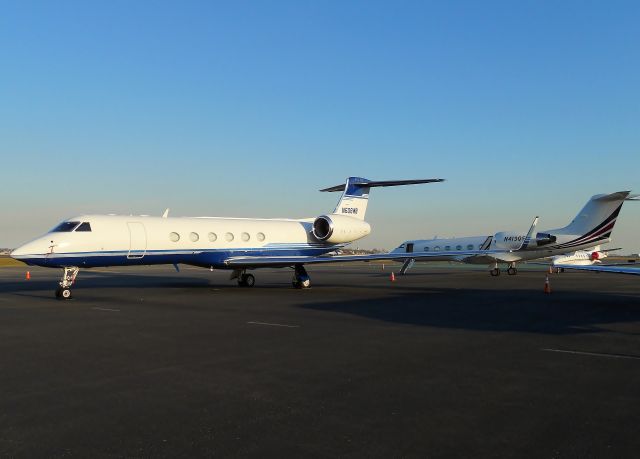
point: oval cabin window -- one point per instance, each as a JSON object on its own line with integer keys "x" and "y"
{"x": 245, "y": 237}
{"x": 175, "y": 237}
{"x": 260, "y": 237}
{"x": 228, "y": 237}
{"x": 213, "y": 237}
{"x": 194, "y": 237}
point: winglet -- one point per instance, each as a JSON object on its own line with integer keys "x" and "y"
{"x": 527, "y": 239}
{"x": 166, "y": 213}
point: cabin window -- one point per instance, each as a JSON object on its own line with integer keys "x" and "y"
{"x": 194, "y": 237}
{"x": 175, "y": 237}
{"x": 228, "y": 237}
{"x": 85, "y": 226}
{"x": 458, "y": 247}
{"x": 213, "y": 237}
{"x": 447, "y": 248}
{"x": 260, "y": 237}
{"x": 436, "y": 248}
{"x": 65, "y": 227}
{"x": 470, "y": 247}
{"x": 426, "y": 249}
{"x": 245, "y": 237}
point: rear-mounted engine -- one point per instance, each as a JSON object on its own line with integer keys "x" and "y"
{"x": 337, "y": 228}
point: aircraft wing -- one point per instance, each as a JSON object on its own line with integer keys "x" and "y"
{"x": 280, "y": 262}
{"x": 604, "y": 269}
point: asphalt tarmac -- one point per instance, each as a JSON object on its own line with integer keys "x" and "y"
{"x": 147, "y": 362}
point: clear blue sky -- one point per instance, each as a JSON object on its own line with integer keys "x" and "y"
{"x": 247, "y": 108}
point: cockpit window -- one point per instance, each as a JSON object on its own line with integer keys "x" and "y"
{"x": 65, "y": 227}
{"x": 85, "y": 226}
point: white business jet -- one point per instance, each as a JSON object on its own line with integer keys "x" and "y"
{"x": 588, "y": 257}
{"x": 238, "y": 244}
{"x": 593, "y": 225}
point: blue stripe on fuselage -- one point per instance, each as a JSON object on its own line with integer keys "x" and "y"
{"x": 204, "y": 258}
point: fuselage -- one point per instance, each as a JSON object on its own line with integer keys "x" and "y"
{"x": 579, "y": 258}
{"x": 508, "y": 242}
{"x": 117, "y": 240}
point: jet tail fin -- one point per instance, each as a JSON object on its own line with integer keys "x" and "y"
{"x": 598, "y": 217}
{"x": 355, "y": 193}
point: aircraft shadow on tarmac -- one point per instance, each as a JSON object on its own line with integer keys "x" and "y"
{"x": 108, "y": 281}
{"x": 496, "y": 310}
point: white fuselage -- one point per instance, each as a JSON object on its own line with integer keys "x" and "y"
{"x": 133, "y": 240}
{"x": 507, "y": 247}
{"x": 579, "y": 258}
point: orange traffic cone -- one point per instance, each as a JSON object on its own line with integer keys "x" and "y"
{"x": 547, "y": 287}
{"x": 550, "y": 269}
{"x": 393, "y": 277}
{"x": 28, "y": 275}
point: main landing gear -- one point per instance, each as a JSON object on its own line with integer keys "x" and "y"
{"x": 63, "y": 292}
{"x": 300, "y": 278}
{"x": 511, "y": 270}
{"x": 244, "y": 279}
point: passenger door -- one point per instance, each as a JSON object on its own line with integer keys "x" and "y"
{"x": 137, "y": 240}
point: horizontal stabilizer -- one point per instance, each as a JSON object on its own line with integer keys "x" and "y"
{"x": 374, "y": 184}
{"x": 617, "y": 196}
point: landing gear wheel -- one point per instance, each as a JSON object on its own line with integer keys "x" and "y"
{"x": 246, "y": 280}
{"x": 512, "y": 271}
{"x": 63, "y": 293}
{"x": 495, "y": 272}
{"x": 300, "y": 284}
{"x": 300, "y": 278}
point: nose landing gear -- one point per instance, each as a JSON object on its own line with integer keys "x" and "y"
{"x": 512, "y": 271}
{"x": 63, "y": 292}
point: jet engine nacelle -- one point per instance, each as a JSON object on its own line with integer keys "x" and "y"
{"x": 513, "y": 241}
{"x": 336, "y": 228}
{"x": 544, "y": 239}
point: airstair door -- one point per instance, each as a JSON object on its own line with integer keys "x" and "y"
{"x": 137, "y": 240}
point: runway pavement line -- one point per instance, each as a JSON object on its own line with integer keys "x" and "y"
{"x": 106, "y": 309}
{"x": 594, "y": 354}
{"x": 273, "y": 325}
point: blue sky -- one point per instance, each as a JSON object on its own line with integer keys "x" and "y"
{"x": 248, "y": 108}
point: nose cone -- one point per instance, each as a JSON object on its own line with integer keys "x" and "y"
{"x": 28, "y": 250}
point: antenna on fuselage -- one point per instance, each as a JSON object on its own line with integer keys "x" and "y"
{"x": 166, "y": 213}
